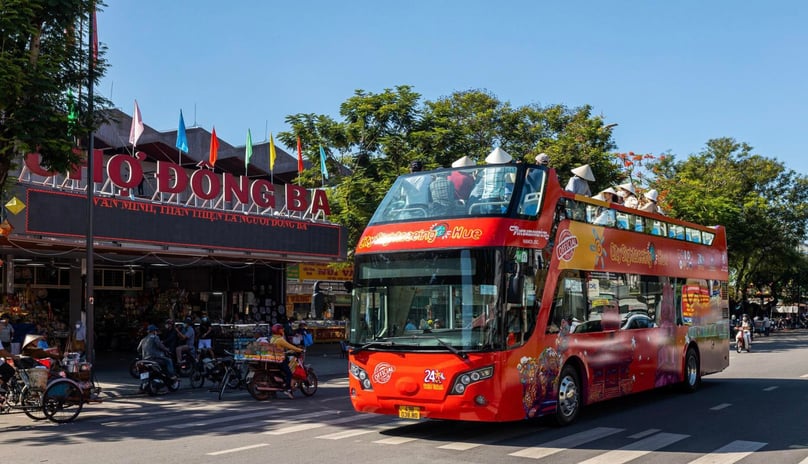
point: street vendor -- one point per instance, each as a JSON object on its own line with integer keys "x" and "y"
{"x": 278, "y": 339}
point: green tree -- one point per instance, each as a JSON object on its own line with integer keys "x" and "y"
{"x": 44, "y": 57}
{"x": 761, "y": 203}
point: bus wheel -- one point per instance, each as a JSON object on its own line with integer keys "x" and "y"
{"x": 569, "y": 396}
{"x": 692, "y": 374}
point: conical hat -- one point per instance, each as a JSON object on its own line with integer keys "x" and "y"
{"x": 498, "y": 156}
{"x": 463, "y": 162}
{"x": 31, "y": 339}
{"x": 584, "y": 172}
{"x": 629, "y": 187}
{"x": 651, "y": 195}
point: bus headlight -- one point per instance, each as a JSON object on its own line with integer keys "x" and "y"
{"x": 361, "y": 375}
{"x": 467, "y": 378}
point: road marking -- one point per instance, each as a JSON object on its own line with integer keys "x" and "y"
{"x": 637, "y": 449}
{"x": 804, "y": 461}
{"x": 720, "y": 406}
{"x": 730, "y": 453}
{"x": 395, "y": 440}
{"x": 804, "y": 376}
{"x": 561, "y": 444}
{"x": 460, "y": 446}
{"x": 236, "y": 450}
{"x": 313, "y": 425}
{"x": 356, "y": 432}
{"x": 223, "y": 419}
{"x": 644, "y": 434}
{"x": 768, "y": 389}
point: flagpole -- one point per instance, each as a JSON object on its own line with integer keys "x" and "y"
{"x": 90, "y": 314}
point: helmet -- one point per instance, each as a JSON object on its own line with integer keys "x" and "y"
{"x": 151, "y": 328}
{"x": 277, "y": 329}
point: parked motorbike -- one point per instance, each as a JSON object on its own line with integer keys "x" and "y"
{"x": 266, "y": 378}
{"x": 209, "y": 369}
{"x": 186, "y": 366}
{"x": 743, "y": 340}
{"x": 153, "y": 378}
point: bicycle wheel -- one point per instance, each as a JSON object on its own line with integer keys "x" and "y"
{"x": 31, "y": 402}
{"x": 62, "y": 401}
{"x": 223, "y": 384}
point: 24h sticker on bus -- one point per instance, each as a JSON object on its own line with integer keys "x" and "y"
{"x": 433, "y": 379}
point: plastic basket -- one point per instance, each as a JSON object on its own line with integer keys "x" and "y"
{"x": 37, "y": 378}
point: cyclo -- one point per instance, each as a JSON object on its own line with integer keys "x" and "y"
{"x": 265, "y": 377}
{"x": 44, "y": 391}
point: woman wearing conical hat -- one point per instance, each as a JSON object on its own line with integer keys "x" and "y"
{"x": 579, "y": 182}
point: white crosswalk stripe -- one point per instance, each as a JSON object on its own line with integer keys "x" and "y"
{"x": 637, "y": 449}
{"x": 570, "y": 441}
{"x": 730, "y": 453}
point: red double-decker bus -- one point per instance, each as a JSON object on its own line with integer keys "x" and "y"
{"x": 488, "y": 293}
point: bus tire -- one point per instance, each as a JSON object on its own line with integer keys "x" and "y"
{"x": 569, "y": 396}
{"x": 692, "y": 371}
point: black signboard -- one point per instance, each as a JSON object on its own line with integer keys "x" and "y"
{"x": 56, "y": 213}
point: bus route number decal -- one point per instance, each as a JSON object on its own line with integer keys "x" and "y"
{"x": 433, "y": 379}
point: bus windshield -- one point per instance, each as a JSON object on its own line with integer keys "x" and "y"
{"x": 462, "y": 192}
{"x": 428, "y": 300}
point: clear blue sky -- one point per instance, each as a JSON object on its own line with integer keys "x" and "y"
{"x": 671, "y": 74}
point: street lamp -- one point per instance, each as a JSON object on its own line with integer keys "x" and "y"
{"x": 610, "y": 126}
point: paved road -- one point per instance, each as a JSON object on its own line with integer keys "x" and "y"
{"x": 755, "y": 412}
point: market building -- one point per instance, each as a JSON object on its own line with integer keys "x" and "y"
{"x": 172, "y": 235}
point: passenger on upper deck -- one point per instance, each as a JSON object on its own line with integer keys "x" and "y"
{"x": 543, "y": 160}
{"x": 491, "y": 185}
{"x": 579, "y": 182}
{"x": 416, "y": 189}
{"x": 463, "y": 182}
{"x": 650, "y": 202}
{"x": 629, "y": 195}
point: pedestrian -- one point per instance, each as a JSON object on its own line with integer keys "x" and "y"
{"x": 6, "y": 330}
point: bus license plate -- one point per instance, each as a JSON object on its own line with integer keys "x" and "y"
{"x": 409, "y": 412}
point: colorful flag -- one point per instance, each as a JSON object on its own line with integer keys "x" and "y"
{"x": 182, "y": 139}
{"x": 322, "y": 163}
{"x": 271, "y": 153}
{"x": 248, "y": 151}
{"x": 299, "y": 157}
{"x": 214, "y": 148}
{"x": 137, "y": 126}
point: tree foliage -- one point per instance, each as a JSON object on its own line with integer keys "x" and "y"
{"x": 761, "y": 203}
{"x": 44, "y": 57}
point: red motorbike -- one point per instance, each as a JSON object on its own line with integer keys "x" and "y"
{"x": 266, "y": 378}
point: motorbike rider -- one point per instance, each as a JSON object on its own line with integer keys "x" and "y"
{"x": 152, "y": 349}
{"x": 746, "y": 332}
{"x": 278, "y": 339}
{"x": 186, "y": 338}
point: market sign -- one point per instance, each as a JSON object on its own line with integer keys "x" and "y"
{"x": 63, "y": 214}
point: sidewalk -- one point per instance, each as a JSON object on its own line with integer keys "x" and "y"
{"x": 112, "y": 369}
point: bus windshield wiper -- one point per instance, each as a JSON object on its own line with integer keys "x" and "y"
{"x": 461, "y": 354}
{"x": 373, "y": 343}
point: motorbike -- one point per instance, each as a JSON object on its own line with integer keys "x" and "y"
{"x": 154, "y": 379}
{"x": 186, "y": 366}
{"x": 209, "y": 369}
{"x": 264, "y": 379}
{"x": 743, "y": 340}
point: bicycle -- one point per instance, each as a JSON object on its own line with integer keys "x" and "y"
{"x": 235, "y": 374}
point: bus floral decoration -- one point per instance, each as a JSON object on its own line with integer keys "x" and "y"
{"x": 538, "y": 377}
